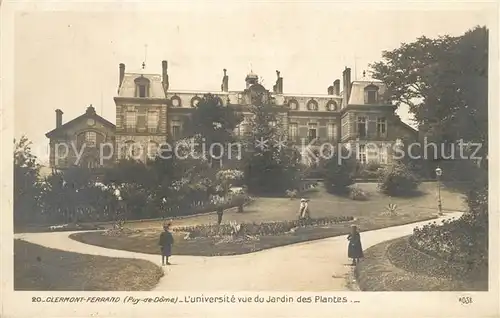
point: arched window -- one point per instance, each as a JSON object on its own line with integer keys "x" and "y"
{"x": 331, "y": 106}
{"x": 371, "y": 94}
{"x": 312, "y": 105}
{"x": 142, "y": 87}
{"x": 90, "y": 139}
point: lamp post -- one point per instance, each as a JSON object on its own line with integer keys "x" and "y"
{"x": 439, "y": 172}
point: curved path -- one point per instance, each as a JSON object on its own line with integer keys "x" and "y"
{"x": 320, "y": 265}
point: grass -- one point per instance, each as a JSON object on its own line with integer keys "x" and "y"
{"x": 370, "y": 215}
{"x": 323, "y": 204}
{"x": 396, "y": 266}
{"x": 44, "y": 269}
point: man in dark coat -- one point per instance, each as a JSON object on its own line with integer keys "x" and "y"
{"x": 220, "y": 213}
{"x": 355, "y": 250}
{"x": 166, "y": 241}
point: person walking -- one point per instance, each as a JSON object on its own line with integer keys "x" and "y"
{"x": 166, "y": 242}
{"x": 354, "y": 250}
{"x": 220, "y": 213}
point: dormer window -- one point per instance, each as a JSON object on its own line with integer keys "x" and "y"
{"x": 371, "y": 94}
{"x": 142, "y": 87}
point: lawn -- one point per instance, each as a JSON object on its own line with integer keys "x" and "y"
{"x": 44, "y": 269}
{"x": 396, "y": 266}
{"x": 369, "y": 215}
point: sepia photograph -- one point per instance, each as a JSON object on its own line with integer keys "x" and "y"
{"x": 280, "y": 147}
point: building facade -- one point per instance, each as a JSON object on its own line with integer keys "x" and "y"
{"x": 148, "y": 112}
{"x": 85, "y": 141}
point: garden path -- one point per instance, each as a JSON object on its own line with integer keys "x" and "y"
{"x": 320, "y": 265}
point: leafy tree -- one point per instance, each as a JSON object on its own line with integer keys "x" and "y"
{"x": 26, "y": 182}
{"x": 213, "y": 123}
{"x": 444, "y": 82}
{"x": 271, "y": 164}
{"x": 339, "y": 171}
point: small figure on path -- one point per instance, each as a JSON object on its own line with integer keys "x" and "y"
{"x": 220, "y": 212}
{"x": 304, "y": 209}
{"x": 354, "y": 251}
{"x": 166, "y": 241}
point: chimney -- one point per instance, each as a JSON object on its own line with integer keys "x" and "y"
{"x": 336, "y": 87}
{"x": 122, "y": 75}
{"x": 164, "y": 67}
{"x": 346, "y": 78}
{"x": 225, "y": 82}
{"x": 278, "y": 88}
{"x": 330, "y": 90}
{"x": 59, "y": 114}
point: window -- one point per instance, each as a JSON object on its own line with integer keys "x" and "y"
{"x": 142, "y": 90}
{"x": 362, "y": 126}
{"x": 362, "y": 154}
{"x": 371, "y": 94}
{"x": 381, "y": 126}
{"x": 152, "y": 121}
{"x": 90, "y": 139}
{"x": 176, "y": 129}
{"x": 312, "y": 132}
{"x": 141, "y": 87}
{"x": 272, "y": 123}
{"x": 294, "y": 130}
{"x": 130, "y": 120}
{"x": 332, "y": 131}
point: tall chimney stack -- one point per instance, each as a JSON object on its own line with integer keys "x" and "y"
{"x": 122, "y": 75}
{"x": 330, "y": 90}
{"x": 225, "y": 82}
{"x": 336, "y": 87}
{"x": 278, "y": 87}
{"x": 346, "y": 78}
{"x": 59, "y": 114}
{"x": 164, "y": 67}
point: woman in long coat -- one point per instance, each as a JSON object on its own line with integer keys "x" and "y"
{"x": 354, "y": 250}
{"x": 166, "y": 241}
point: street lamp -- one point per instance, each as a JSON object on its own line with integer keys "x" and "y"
{"x": 439, "y": 172}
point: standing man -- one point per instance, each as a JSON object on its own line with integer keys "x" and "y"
{"x": 166, "y": 241}
{"x": 220, "y": 212}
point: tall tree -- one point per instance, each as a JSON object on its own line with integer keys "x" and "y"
{"x": 444, "y": 82}
{"x": 271, "y": 164}
{"x": 213, "y": 123}
{"x": 26, "y": 182}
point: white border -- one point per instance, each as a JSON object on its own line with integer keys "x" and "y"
{"x": 421, "y": 304}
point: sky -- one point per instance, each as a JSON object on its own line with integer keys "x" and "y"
{"x": 69, "y": 60}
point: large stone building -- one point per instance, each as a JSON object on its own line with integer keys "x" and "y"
{"x": 148, "y": 110}
{"x": 79, "y": 142}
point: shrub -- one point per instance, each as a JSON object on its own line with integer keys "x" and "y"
{"x": 339, "y": 172}
{"x": 397, "y": 180}
{"x": 391, "y": 209}
{"x": 257, "y": 229}
{"x": 292, "y": 194}
{"x": 358, "y": 195}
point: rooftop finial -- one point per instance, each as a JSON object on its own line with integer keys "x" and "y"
{"x": 224, "y": 72}
{"x": 145, "y": 56}
{"x": 278, "y": 73}
{"x": 364, "y": 74}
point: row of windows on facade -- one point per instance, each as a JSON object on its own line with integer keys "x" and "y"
{"x": 371, "y": 97}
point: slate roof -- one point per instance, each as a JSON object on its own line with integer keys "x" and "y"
{"x": 127, "y": 88}
{"x": 90, "y": 113}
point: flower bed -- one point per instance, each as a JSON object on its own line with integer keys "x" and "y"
{"x": 455, "y": 241}
{"x": 258, "y": 229}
